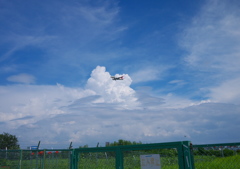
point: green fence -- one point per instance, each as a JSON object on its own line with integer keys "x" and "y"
{"x": 219, "y": 156}
{"x": 173, "y": 155}
{"x": 36, "y": 159}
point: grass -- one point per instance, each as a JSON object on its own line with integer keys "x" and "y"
{"x": 130, "y": 162}
{"x": 38, "y": 163}
{"x": 211, "y": 162}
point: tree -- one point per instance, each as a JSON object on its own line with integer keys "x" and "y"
{"x": 123, "y": 142}
{"x": 85, "y": 146}
{"x": 9, "y": 141}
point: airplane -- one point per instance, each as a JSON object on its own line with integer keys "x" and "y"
{"x": 117, "y": 78}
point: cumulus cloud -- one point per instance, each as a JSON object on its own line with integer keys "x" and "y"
{"x": 108, "y": 110}
{"x": 111, "y": 91}
{"x": 26, "y": 105}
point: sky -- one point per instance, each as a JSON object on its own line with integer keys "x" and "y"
{"x": 180, "y": 61}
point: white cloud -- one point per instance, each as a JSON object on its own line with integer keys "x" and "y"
{"x": 173, "y": 101}
{"x": 149, "y": 73}
{"x": 78, "y": 24}
{"x": 177, "y": 82}
{"x": 213, "y": 38}
{"x": 20, "y": 101}
{"x": 22, "y": 78}
{"x": 111, "y": 91}
{"x": 101, "y": 14}
{"x": 19, "y": 42}
{"x": 108, "y": 110}
{"x": 212, "y": 42}
{"x": 227, "y": 92}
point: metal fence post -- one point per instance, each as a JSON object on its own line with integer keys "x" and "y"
{"x": 44, "y": 158}
{"x": 20, "y": 161}
{"x": 119, "y": 158}
{"x": 187, "y": 155}
{"x": 192, "y": 155}
{"x": 73, "y": 159}
{"x": 180, "y": 157}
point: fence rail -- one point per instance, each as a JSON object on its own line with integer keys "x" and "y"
{"x": 173, "y": 155}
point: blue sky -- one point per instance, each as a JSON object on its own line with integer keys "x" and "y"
{"x": 180, "y": 62}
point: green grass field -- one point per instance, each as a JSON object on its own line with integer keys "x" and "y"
{"x": 201, "y": 162}
{"x": 211, "y": 162}
{"x": 130, "y": 162}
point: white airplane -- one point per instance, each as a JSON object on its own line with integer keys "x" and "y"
{"x": 117, "y": 78}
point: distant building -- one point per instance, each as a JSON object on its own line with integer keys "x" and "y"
{"x": 32, "y": 148}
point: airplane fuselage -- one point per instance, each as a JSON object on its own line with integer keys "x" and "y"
{"x": 117, "y": 78}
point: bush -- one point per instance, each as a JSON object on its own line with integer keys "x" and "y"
{"x": 228, "y": 152}
{"x": 3, "y": 162}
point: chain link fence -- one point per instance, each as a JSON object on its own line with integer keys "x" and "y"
{"x": 217, "y": 156}
{"x": 131, "y": 159}
{"x": 9, "y": 159}
{"x": 97, "y": 160}
{"x": 175, "y": 155}
{"x": 35, "y": 159}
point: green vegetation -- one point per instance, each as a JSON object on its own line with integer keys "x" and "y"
{"x": 122, "y": 142}
{"x": 105, "y": 158}
{"x": 8, "y": 141}
{"x": 216, "y": 153}
{"x": 210, "y": 162}
{"x": 36, "y": 159}
{"x": 100, "y": 161}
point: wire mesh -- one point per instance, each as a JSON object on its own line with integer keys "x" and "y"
{"x": 35, "y": 159}
{"x": 217, "y": 157}
{"x": 97, "y": 160}
{"x": 10, "y": 159}
{"x": 170, "y": 156}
